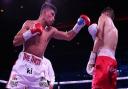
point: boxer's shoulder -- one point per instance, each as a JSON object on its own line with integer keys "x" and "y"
{"x": 51, "y": 29}
{"x": 29, "y": 22}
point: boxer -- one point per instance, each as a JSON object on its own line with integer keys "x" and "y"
{"x": 105, "y": 43}
{"x": 28, "y": 71}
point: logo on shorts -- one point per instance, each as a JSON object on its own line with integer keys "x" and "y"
{"x": 29, "y": 70}
{"x": 14, "y": 81}
{"x": 43, "y": 82}
{"x": 32, "y": 59}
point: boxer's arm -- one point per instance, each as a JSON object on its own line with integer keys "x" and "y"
{"x": 18, "y": 38}
{"x": 26, "y": 33}
{"x": 97, "y": 43}
{"x": 92, "y": 29}
{"x": 81, "y": 22}
{"x": 92, "y": 58}
{"x": 60, "y": 35}
{"x": 99, "y": 37}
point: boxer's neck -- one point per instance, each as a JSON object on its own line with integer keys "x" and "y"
{"x": 42, "y": 22}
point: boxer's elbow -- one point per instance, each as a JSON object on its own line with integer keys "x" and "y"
{"x": 17, "y": 42}
{"x": 70, "y": 37}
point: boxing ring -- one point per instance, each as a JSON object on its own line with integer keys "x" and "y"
{"x": 62, "y": 83}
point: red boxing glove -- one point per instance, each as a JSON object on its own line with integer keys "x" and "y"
{"x": 37, "y": 30}
{"x": 81, "y": 22}
{"x": 86, "y": 19}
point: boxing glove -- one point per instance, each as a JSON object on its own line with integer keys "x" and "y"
{"x": 81, "y": 22}
{"x": 92, "y": 29}
{"x": 37, "y": 30}
{"x": 91, "y": 63}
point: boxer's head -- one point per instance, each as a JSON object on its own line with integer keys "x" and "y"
{"x": 109, "y": 12}
{"x": 48, "y": 12}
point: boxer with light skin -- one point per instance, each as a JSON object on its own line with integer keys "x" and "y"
{"x": 102, "y": 62}
{"x": 35, "y": 35}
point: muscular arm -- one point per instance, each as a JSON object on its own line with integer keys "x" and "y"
{"x": 64, "y": 35}
{"x": 99, "y": 38}
{"x": 98, "y": 42}
{"x": 81, "y": 22}
{"x": 97, "y": 45}
{"x": 18, "y": 39}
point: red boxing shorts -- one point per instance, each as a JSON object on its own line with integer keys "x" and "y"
{"x": 105, "y": 73}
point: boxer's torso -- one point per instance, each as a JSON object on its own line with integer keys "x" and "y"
{"x": 37, "y": 44}
{"x": 110, "y": 34}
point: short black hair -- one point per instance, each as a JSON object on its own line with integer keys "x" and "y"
{"x": 110, "y": 11}
{"x": 48, "y": 5}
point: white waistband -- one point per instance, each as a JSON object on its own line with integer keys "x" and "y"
{"x": 106, "y": 52}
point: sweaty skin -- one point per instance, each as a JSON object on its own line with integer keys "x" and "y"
{"x": 107, "y": 36}
{"x": 37, "y": 44}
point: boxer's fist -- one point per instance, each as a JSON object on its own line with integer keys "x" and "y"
{"x": 81, "y": 22}
{"x": 92, "y": 29}
{"x": 36, "y": 30}
{"x": 86, "y": 19}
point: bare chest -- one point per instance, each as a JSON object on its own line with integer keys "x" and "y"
{"x": 42, "y": 39}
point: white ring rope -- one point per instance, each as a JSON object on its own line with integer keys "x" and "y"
{"x": 74, "y": 82}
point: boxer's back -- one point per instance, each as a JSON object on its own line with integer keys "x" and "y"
{"x": 110, "y": 34}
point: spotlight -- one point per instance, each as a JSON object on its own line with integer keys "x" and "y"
{"x": 21, "y": 6}
{"x": 78, "y": 43}
{"x": 53, "y": 46}
{"x": 1, "y": 10}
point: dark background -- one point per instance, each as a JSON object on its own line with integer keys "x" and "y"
{"x": 69, "y": 59}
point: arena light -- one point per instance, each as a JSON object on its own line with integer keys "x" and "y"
{"x": 1, "y": 10}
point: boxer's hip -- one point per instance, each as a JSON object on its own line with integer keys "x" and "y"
{"x": 29, "y": 66}
{"x": 107, "y": 52}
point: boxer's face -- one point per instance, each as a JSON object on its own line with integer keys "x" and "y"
{"x": 49, "y": 17}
